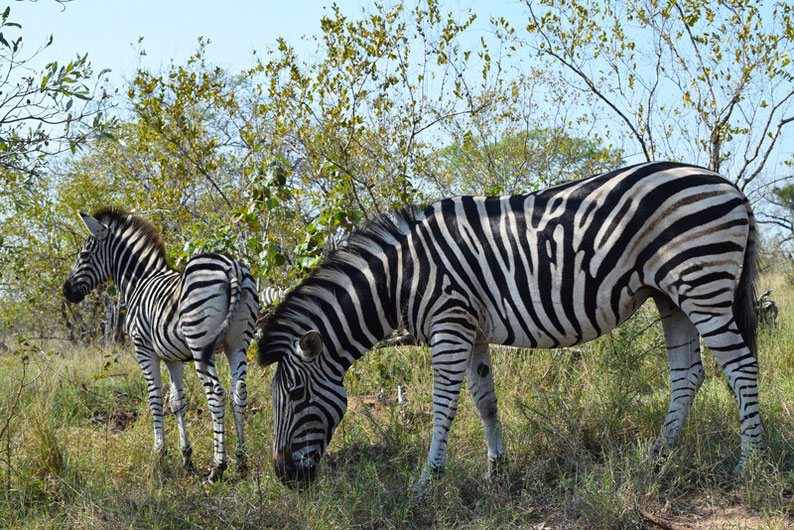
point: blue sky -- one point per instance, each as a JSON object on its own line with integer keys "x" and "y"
{"x": 108, "y": 30}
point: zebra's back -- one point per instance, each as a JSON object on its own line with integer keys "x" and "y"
{"x": 180, "y": 313}
{"x": 567, "y": 264}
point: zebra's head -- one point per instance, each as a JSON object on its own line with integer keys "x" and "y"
{"x": 308, "y": 403}
{"x": 91, "y": 268}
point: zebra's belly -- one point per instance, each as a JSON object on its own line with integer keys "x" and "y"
{"x": 540, "y": 327}
{"x": 172, "y": 348}
{"x": 167, "y": 342}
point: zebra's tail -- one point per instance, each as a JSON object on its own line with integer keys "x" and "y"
{"x": 744, "y": 309}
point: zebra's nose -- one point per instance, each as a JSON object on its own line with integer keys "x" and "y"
{"x": 284, "y": 466}
{"x": 290, "y": 473}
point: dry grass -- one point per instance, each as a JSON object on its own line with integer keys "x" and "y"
{"x": 578, "y": 428}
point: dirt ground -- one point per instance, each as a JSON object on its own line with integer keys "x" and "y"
{"x": 707, "y": 516}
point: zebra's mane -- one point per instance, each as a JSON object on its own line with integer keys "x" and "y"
{"x": 114, "y": 216}
{"x": 385, "y": 231}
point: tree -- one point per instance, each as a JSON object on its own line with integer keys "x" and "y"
{"x": 782, "y": 199}
{"x": 681, "y": 79}
{"x": 520, "y": 163}
{"x": 43, "y": 112}
{"x": 277, "y": 163}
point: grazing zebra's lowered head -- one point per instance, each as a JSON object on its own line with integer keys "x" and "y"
{"x": 549, "y": 269}
{"x": 304, "y": 335}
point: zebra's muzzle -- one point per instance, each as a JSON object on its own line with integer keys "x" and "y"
{"x": 73, "y": 295}
{"x": 294, "y": 474}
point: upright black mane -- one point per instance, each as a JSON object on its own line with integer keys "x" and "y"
{"x": 114, "y": 216}
{"x": 384, "y": 231}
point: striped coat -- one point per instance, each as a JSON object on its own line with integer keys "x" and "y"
{"x": 174, "y": 317}
{"x": 553, "y": 268}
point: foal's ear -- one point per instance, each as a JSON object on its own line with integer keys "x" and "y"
{"x": 310, "y": 346}
{"x": 94, "y": 227}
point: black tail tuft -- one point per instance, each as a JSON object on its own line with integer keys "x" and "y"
{"x": 744, "y": 309}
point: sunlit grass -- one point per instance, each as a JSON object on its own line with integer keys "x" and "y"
{"x": 578, "y": 426}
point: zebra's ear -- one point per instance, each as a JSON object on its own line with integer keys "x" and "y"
{"x": 94, "y": 227}
{"x": 310, "y": 346}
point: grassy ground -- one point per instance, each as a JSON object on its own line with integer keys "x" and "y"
{"x": 75, "y": 444}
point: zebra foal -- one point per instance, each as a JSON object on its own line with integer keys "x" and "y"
{"x": 548, "y": 269}
{"x": 175, "y": 317}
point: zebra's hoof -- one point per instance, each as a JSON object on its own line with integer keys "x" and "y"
{"x": 217, "y": 473}
{"x": 660, "y": 449}
{"x": 422, "y": 486}
{"x": 160, "y": 453}
{"x": 187, "y": 454}
{"x": 497, "y": 467}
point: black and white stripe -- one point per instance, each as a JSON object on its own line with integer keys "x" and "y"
{"x": 272, "y": 295}
{"x": 553, "y": 268}
{"x": 175, "y": 317}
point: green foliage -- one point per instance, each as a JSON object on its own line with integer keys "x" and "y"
{"x": 43, "y": 112}
{"x": 785, "y": 196}
{"x": 278, "y": 163}
{"x": 781, "y": 215}
{"x": 527, "y": 161}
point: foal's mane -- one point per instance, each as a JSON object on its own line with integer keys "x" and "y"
{"x": 114, "y": 216}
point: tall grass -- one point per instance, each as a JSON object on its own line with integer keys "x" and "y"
{"x": 578, "y": 426}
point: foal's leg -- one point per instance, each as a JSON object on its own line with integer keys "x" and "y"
{"x": 216, "y": 399}
{"x": 150, "y": 366}
{"x": 176, "y": 370}
{"x": 238, "y": 363}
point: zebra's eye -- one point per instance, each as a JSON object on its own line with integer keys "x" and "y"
{"x": 297, "y": 393}
{"x": 85, "y": 254}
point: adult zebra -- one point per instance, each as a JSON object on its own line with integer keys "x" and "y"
{"x": 553, "y": 268}
{"x": 175, "y": 317}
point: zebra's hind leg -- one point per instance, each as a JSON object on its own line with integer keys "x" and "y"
{"x": 682, "y": 342}
{"x": 176, "y": 370}
{"x": 722, "y": 336}
{"x": 479, "y": 377}
{"x": 150, "y": 366}
{"x": 238, "y": 362}
{"x": 216, "y": 400}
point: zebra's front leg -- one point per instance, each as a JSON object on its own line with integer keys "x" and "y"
{"x": 451, "y": 353}
{"x": 682, "y": 342}
{"x": 216, "y": 400}
{"x": 150, "y": 366}
{"x": 176, "y": 370}
{"x": 479, "y": 377}
{"x": 238, "y": 361}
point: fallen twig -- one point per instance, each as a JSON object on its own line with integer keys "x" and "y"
{"x": 658, "y": 521}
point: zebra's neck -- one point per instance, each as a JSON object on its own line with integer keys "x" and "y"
{"x": 133, "y": 258}
{"x": 358, "y": 298}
